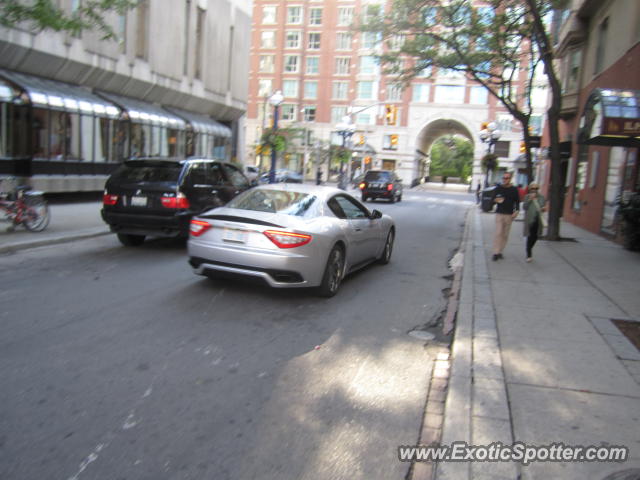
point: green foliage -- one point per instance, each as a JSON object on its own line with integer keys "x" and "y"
{"x": 451, "y": 157}
{"x": 275, "y": 139}
{"x": 39, "y": 15}
{"x": 629, "y": 211}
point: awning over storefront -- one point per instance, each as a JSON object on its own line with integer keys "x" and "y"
{"x": 145, "y": 112}
{"x": 611, "y": 118}
{"x": 46, "y": 93}
{"x": 202, "y": 124}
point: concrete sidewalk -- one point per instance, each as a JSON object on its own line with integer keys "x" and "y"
{"x": 536, "y": 358}
{"x": 69, "y": 221}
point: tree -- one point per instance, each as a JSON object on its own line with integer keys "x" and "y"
{"x": 504, "y": 46}
{"x": 40, "y": 15}
{"x": 451, "y": 156}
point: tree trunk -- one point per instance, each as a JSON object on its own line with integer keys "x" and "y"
{"x": 556, "y": 192}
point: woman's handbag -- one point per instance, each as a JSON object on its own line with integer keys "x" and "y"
{"x": 543, "y": 220}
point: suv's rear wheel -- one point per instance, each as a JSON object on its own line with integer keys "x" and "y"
{"x": 130, "y": 240}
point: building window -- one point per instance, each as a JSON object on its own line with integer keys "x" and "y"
{"x": 290, "y": 88}
{"x": 269, "y": 14}
{"x": 337, "y": 113}
{"x": 340, "y": 90}
{"x": 313, "y": 65}
{"x": 368, "y": 65}
{"x": 424, "y": 73}
{"x": 449, "y": 94}
{"x": 365, "y": 90}
{"x": 343, "y": 65}
{"x": 505, "y": 123}
{"x": 315, "y": 16}
{"x": 345, "y": 16}
{"x": 266, "y": 63}
{"x": 292, "y": 39}
{"x": 390, "y": 142}
{"x": 394, "y": 92}
{"x": 602, "y": 45}
{"x": 573, "y": 71}
{"x": 311, "y": 90}
{"x": 288, "y": 112}
{"x": 421, "y": 92}
{"x": 343, "y": 41}
{"x": 371, "y": 39}
{"x": 291, "y": 63}
{"x": 397, "y": 42}
{"x": 309, "y": 113}
{"x": 268, "y": 39}
{"x": 365, "y": 118}
{"x": 265, "y": 87}
{"x": 372, "y": 12}
{"x": 314, "y": 41}
{"x": 294, "y": 15}
{"x": 478, "y": 96}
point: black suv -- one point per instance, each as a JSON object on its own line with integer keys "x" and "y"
{"x": 381, "y": 184}
{"x": 158, "y": 197}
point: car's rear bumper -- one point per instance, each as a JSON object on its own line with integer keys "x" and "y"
{"x": 153, "y": 225}
{"x": 278, "y": 268}
{"x": 377, "y": 193}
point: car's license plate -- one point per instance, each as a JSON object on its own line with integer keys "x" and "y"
{"x": 138, "y": 201}
{"x": 234, "y": 235}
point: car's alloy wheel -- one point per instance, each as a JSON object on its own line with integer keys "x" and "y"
{"x": 332, "y": 273}
{"x": 131, "y": 240}
{"x": 388, "y": 248}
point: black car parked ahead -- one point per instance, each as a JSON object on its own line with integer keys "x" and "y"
{"x": 381, "y": 184}
{"x": 158, "y": 197}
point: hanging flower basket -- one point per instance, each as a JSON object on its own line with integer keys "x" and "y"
{"x": 275, "y": 140}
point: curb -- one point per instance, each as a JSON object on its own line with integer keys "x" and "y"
{"x": 53, "y": 240}
{"x": 434, "y": 413}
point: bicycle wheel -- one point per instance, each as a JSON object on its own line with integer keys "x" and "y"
{"x": 35, "y": 215}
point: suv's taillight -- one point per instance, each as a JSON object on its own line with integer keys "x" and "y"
{"x": 389, "y": 187}
{"x": 362, "y": 186}
{"x": 287, "y": 239}
{"x": 108, "y": 199}
{"x": 198, "y": 227}
{"x": 179, "y": 201}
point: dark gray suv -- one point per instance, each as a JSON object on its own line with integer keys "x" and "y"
{"x": 381, "y": 184}
{"x": 157, "y": 197}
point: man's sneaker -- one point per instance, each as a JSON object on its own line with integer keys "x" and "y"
{"x": 496, "y": 256}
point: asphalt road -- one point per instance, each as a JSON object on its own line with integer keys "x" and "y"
{"x": 120, "y": 363}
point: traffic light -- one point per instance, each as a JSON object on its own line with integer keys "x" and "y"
{"x": 523, "y": 147}
{"x": 391, "y": 113}
{"x": 361, "y": 139}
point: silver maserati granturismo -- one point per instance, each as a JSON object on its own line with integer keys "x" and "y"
{"x": 290, "y": 235}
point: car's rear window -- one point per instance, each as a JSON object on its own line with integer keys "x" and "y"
{"x": 139, "y": 171}
{"x": 273, "y": 201}
{"x": 378, "y": 176}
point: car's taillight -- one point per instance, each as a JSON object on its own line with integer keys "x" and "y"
{"x": 362, "y": 185}
{"x": 108, "y": 199}
{"x": 198, "y": 227}
{"x": 389, "y": 187}
{"x": 179, "y": 201}
{"x": 287, "y": 239}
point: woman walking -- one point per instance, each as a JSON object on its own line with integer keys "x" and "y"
{"x": 534, "y": 222}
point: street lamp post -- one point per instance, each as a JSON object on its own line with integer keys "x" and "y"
{"x": 275, "y": 100}
{"x": 345, "y": 129}
{"x": 489, "y": 135}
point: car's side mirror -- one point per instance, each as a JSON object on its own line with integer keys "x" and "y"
{"x": 375, "y": 215}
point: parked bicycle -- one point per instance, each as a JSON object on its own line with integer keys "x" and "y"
{"x": 23, "y": 206}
